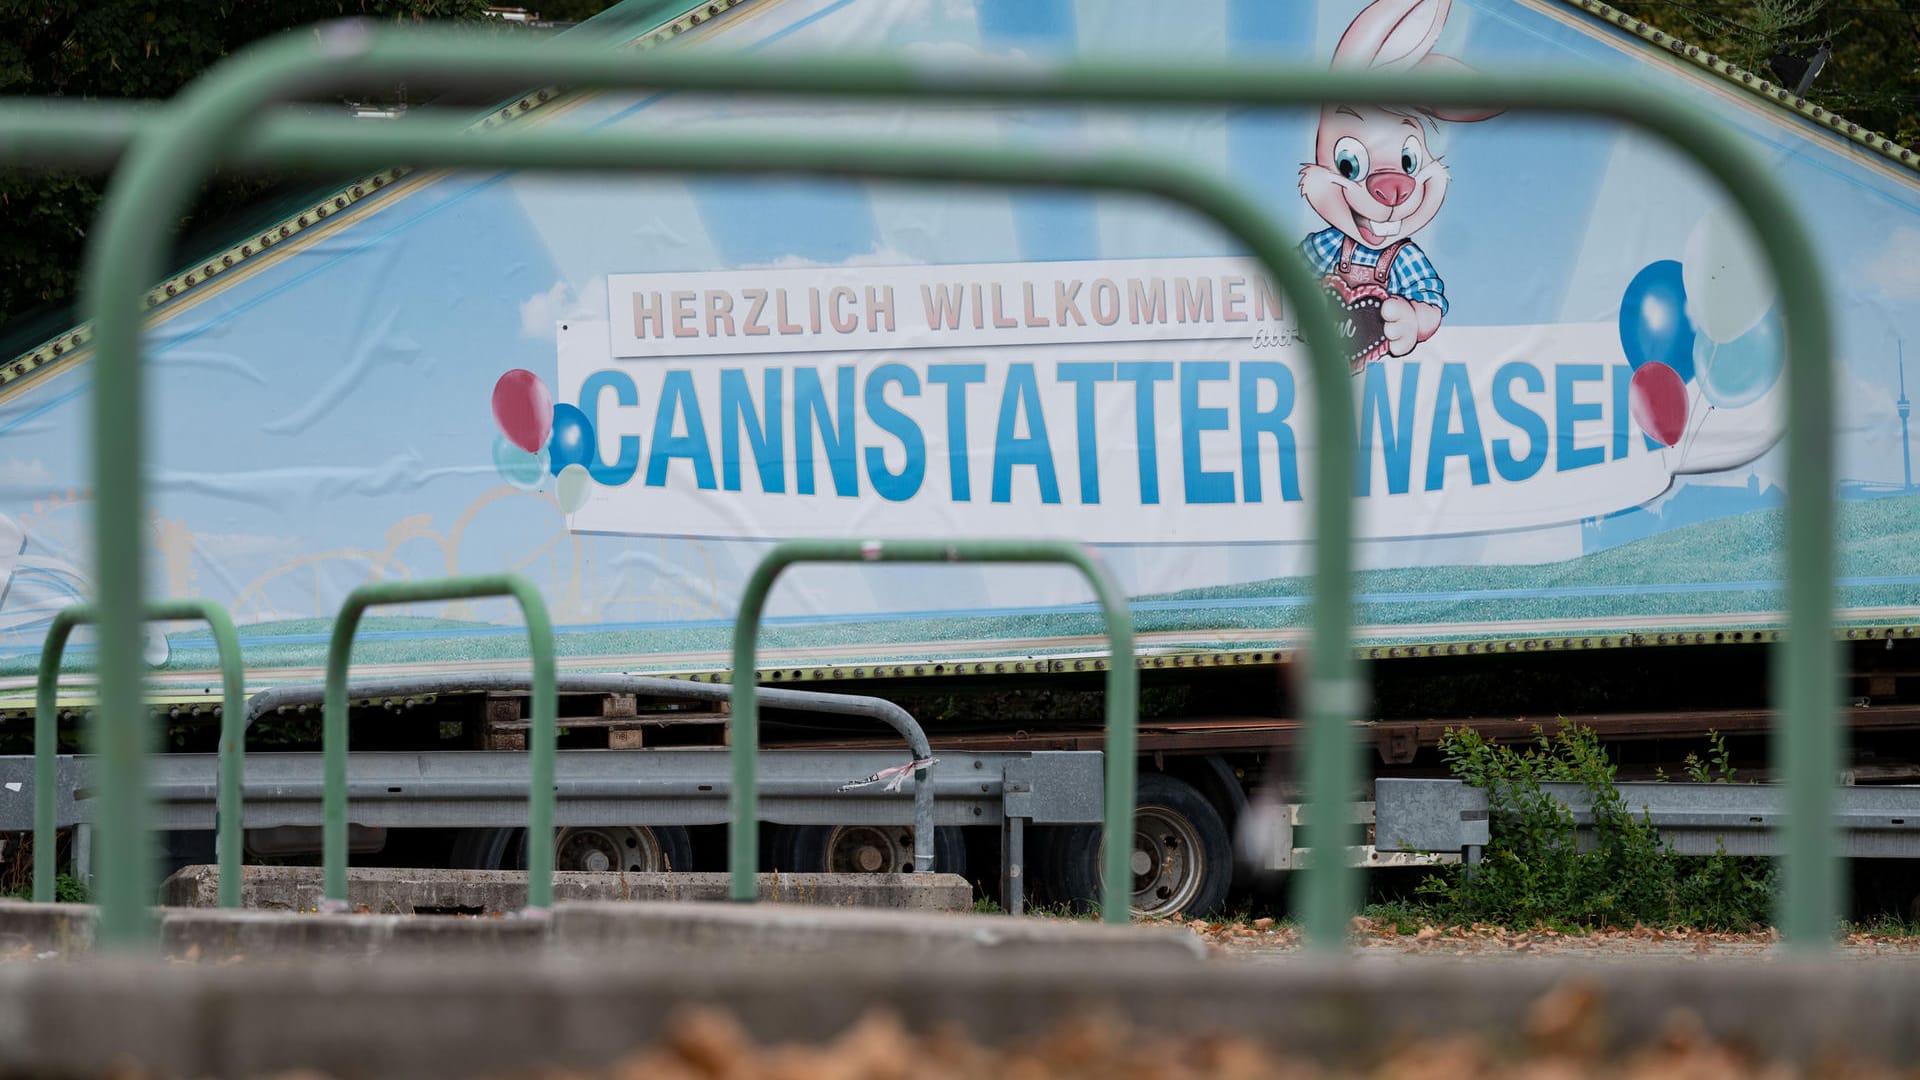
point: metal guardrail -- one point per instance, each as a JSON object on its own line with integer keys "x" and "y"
{"x": 1122, "y": 696}
{"x": 693, "y": 786}
{"x": 880, "y": 709}
{"x": 433, "y": 789}
{"x": 227, "y": 821}
{"x": 542, "y": 741}
{"x": 1695, "y": 819}
{"x": 219, "y": 118}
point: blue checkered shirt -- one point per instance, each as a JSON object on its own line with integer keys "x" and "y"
{"x": 1411, "y": 275}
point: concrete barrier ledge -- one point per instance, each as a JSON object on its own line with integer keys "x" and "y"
{"x": 688, "y": 930}
{"x": 66, "y": 931}
{"x": 385, "y": 891}
{"x": 455, "y": 1019}
{"x": 908, "y": 939}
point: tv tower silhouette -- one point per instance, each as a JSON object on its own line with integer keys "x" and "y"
{"x": 1906, "y": 407}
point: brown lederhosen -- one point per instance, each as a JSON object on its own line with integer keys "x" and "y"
{"x": 1378, "y": 274}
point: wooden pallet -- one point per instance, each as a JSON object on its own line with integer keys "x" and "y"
{"x": 620, "y": 725}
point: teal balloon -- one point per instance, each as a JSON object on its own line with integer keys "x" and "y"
{"x": 1741, "y": 371}
{"x": 516, "y": 466}
{"x": 574, "y": 487}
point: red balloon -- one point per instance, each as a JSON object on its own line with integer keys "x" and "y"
{"x": 523, "y": 409}
{"x": 1658, "y": 399}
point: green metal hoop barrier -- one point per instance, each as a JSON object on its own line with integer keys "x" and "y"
{"x": 1122, "y": 696}
{"x": 542, "y": 739}
{"x": 1332, "y": 761}
{"x": 218, "y": 119}
{"x": 233, "y": 725}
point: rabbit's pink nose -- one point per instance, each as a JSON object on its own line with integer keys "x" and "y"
{"x": 1390, "y": 187}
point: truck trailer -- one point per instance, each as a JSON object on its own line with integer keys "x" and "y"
{"x": 1569, "y": 422}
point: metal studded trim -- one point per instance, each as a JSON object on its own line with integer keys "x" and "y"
{"x": 1747, "y": 80}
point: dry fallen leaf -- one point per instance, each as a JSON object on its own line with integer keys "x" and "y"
{"x": 1569, "y": 1021}
{"x": 709, "y": 1040}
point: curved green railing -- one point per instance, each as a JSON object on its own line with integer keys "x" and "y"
{"x": 218, "y": 118}
{"x": 542, "y": 738}
{"x": 1122, "y": 696}
{"x": 227, "y": 810}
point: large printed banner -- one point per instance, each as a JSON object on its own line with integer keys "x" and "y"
{"x": 1562, "y": 357}
{"x": 1133, "y": 402}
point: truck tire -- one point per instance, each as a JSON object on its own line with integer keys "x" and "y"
{"x": 1182, "y": 854}
{"x": 863, "y": 849}
{"x": 628, "y": 848}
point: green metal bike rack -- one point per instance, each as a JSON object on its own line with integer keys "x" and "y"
{"x": 542, "y": 739}
{"x": 1122, "y": 696}
{"x": 233, "y": 726}
{"x": 219, "y": 119}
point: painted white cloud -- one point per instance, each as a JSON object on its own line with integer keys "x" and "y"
{"x": 541, "y": 311}
{"x": 960, "y": 52}
{"x": 881, "y": 255}
{"x": 24, "y": 474}
{"x": 1894, "y": 270}
{"x": 1869, "y": 426}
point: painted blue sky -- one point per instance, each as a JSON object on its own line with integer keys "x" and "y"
{"x": 331, "y": 410}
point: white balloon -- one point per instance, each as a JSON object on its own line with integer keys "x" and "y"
{"x": 157, "y": 649}
{"x": 1728, "y": 285}
{"x": 574, "y": 485}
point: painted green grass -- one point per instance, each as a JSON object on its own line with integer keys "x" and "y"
{"x": 1874, "y": 539}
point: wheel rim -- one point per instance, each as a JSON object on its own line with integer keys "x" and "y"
{"x": 630, "y": 848}
{"x": 870, "y": 849}
{"x": 1168, "y": 863}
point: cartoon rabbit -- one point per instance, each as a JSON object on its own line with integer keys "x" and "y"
{"x": 1375, "y": 183}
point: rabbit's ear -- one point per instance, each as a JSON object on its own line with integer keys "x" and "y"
{"x": 1391, "y": 35}
{"x": 1447, "y": 64}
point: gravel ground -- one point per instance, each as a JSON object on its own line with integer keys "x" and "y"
{"x": 1263, "y": 941}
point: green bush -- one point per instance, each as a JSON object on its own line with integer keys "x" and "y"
{"x": 1533, "y": 871}
{"x": 16, "y": 870}
{"x": 67, "y": 889}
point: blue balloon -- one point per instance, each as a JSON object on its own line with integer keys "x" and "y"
{"x": 516, "y": 466}
{"x": 1654, "y": 327}
{"x": 572, "y": 440}
{"x": 1741, "y": 371}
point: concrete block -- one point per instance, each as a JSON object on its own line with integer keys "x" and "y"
{"x": 910, "y": 939}
{"x": 267, "y": 935}
{"x": 66, "y": 931}
{"x": 764, "y": 933}
{"x": 37, "y": 929}
{"x": 384, "y": 891}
